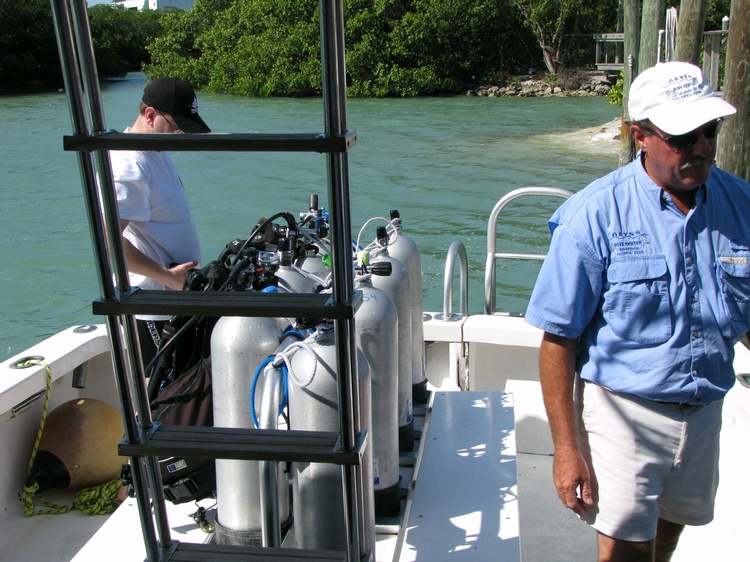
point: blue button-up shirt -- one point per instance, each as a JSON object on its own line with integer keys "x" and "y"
{"x": 657, "y": 298}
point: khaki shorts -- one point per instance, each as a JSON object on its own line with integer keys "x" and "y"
{"x": 650, "y": 460}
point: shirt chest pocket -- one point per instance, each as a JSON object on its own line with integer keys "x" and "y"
{"x": 637, "y": 301}
{"x": 734, "y": 277}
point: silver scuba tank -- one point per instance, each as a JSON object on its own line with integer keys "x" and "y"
{"x": 318, "y": 487}
{"x": 398, "y": 287}
{"x": 315, "y": 252}
{"x": 377, "y": 333}
{"x": 405, "y": 250}
{"x": 292, "y": 280}
{"x": 238, "y": 347}
{"x": 315, "y": 263}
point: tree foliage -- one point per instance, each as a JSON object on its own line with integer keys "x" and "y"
{"x": 394, "y": 47}
{"x": 397, "y": 47}
{"x": 28, "y": 52}
{"x": 557, "y": 25}
{"x": 120, "y": 37}
{"x": 272, "y": 47}
{"x": 715, "y": 12}
{"x": 29, "y": 60}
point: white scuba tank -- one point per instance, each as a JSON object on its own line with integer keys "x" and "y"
{"x": 377, "y": 333}
{"x": 238, "y": 346}
{"x": 398, "y": 287}
{"x": 315, "y": 257}
{"x": 294, "y": 280}
{"x": 318, "y": 487}
{"x": 316, "y": 264}
{"x": 405, "y": 250}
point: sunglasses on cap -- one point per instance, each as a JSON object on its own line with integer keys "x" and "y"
{"x": 682, "y": 142}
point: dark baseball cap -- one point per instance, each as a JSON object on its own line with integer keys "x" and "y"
{"x": 177, "y": 98}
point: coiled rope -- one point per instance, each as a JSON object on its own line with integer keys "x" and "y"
{"x": 97, "y": 500}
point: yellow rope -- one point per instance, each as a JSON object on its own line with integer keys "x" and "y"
{"x": 98, "y": 500}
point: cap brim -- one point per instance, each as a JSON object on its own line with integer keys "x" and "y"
{"x": 681, "y": 118}
{"x": 192, "y": 124}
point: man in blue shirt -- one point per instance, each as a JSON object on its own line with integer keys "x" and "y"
{"x": 650, "y": 272}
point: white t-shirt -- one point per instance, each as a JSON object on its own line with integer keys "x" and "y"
{"x": 151, "y": 196}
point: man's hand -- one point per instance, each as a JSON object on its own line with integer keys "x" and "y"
{"x": 570, "y": 473}
{"x": 177, "y": 274}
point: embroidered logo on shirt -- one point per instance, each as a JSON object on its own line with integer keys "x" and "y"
{"x": 629, "y": 243}
{"x": 741, "y": 260}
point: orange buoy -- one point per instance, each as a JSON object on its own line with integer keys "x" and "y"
{"x": 78, "y": 448}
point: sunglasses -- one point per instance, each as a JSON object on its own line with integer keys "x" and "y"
{"x": 683, "y": 142}
{"x": 172, "y": 125}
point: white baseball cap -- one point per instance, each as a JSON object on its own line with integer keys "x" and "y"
{"x": 676, "y": 97}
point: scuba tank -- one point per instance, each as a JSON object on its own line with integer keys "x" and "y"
{"x": 405, "y": 250}
{"x": 238, "y": 346}
{"x": 314, "y": 252}
{"x": 377, "y": 333}
{"x": 398, "y": 288}
{"x": 293, "y": 280}
{"x": 317, "y": 487}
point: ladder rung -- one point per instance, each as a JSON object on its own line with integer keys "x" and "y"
{"x": 244, "y": 444}
{"x": 189, "y": 552}
{"x": 211, "y": 303}
{"x": 216, "y": 142}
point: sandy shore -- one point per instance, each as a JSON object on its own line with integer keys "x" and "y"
{"x": 604, "y": 138}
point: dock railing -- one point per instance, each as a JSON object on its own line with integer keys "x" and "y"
{"x": 610, "y": 56}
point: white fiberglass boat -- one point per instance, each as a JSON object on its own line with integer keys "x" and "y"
{"x": 472, "y": 476}
{"x": 476, "y": 486}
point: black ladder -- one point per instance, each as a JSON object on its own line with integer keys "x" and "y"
{"x": 144, "y": 440}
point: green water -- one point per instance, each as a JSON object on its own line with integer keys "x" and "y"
{"x": 442, "y": 162}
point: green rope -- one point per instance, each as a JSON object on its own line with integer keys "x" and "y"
{"x": 97, "y": 500}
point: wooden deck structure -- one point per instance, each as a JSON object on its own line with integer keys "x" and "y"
{"x": 610, "y": 53}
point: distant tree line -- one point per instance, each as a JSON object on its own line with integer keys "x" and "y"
{"x": 394, "y": 47}
{"x": 272, "y": 47}
{"x": 29, "y": 60}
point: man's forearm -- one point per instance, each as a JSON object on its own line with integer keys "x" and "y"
{"x": 557, "y": 375}
{"x": 141, "y": 264}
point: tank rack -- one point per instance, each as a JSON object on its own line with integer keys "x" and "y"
{"x": 187, "y": 552}
{"x": 244, "y": 444}
{"x": 196, "y": 303}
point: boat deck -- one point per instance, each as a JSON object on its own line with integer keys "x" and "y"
{"x": 548, "y": 532}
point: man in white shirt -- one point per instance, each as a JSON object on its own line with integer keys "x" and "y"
{"x": 159, "y": 234}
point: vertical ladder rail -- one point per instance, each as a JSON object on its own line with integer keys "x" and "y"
{"x": 493, "y": 255}
{"x": 335, "y": 112}
{"x": 81, "y": 81}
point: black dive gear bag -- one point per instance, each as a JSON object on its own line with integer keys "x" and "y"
{"x": 179, "y": 388}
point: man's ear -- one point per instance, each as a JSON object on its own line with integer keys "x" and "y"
{"x": 638, "y": 134}
{"x": 150, "y": 114}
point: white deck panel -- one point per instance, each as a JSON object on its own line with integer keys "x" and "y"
{"x": 453, "y": 517}
{"x": 121, "y": 539}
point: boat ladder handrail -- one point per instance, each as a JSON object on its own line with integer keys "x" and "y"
{"x": 493, "y": 255}
{"x": 456, "y": 251}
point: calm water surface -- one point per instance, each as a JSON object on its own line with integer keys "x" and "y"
{"x": 442, "y": 162}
